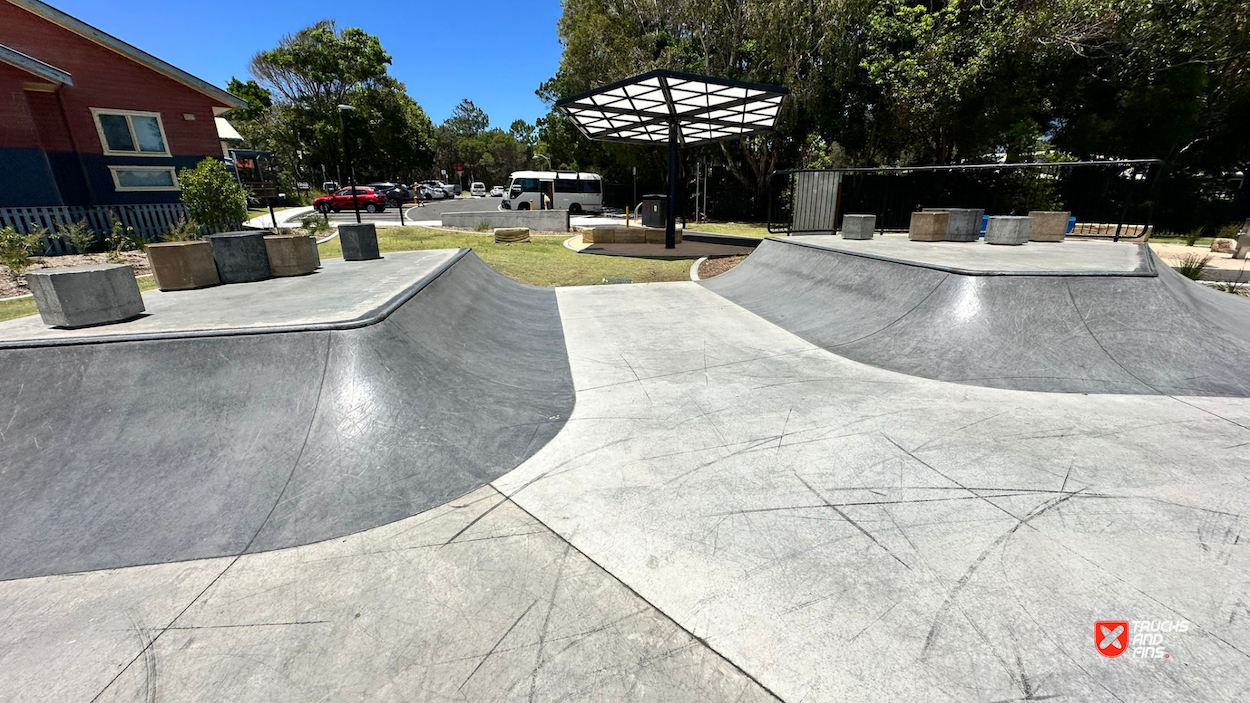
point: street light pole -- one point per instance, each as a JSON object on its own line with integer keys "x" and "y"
{"x": 347, "y": 153}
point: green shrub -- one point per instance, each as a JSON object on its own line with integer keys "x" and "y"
{"x": 1193, "y": 237}
{"x": 1191, "y": 266}
{"x": 77, "y": 234}
{"x": 122, "y": 238}
{"x": 183, "y": 230}
{"x": 213, "y": 196}
{"x": 315, "y": 225}
{"x": 483, "y": 226}
{"x": 17, "y": 248}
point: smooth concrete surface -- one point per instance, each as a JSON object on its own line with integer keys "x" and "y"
{"x": 240, "y": 256}
{"x": 1161, "y": 334}
{"x": 149, "y": 452}
{"x": 730, "y": 513}
{"x": 859, "y": 226}
{"x": 342, "y": 292}
{"x": 1008, "y": 231}
{"x": 1069, "y": 258}
{"x": 359, "y": 241}
{"x": 81, "y": 296}
{"x": 844, "y": 533}
{"x": 541, "y": 220}
{"x": 471, "y": 601}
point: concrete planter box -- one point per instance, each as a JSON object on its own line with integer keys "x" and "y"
{"x": 82, "y": 296}
{"x": 291, "y": 254}
{"x": 360, "y": 242}
{"x": 1049, "y": 225}
{"x": 182, "y": 265}
{"x": 1012, "y": 231}
{"x": 240, "y": 256}
{"x": 859, "y": 226}
{"x": 928, "y": 226}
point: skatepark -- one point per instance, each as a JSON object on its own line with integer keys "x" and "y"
{"x": 873, "y": 470}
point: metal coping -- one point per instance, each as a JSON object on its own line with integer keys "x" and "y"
{"x": 372, "y": 317}
{"x": 1146, "y": 269}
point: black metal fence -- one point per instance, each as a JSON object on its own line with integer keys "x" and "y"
{"x": 1109, "y": 199}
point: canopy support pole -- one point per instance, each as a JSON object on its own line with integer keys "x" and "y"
{"x": 670, "y": 224}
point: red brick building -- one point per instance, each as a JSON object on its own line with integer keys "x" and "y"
{"x": 87, "y": 119}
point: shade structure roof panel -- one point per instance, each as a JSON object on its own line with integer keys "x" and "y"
{"x": 705, "y": 109}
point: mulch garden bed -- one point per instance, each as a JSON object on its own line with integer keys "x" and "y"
{"x": 715, "y": 267}
{"x": 11, "y": 285}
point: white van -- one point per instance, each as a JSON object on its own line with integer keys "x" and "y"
{"x": 575, "y": 191}
{"x": 478, "y": 189}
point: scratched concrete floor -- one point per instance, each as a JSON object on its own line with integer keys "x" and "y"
{"x": 730, "y": 514}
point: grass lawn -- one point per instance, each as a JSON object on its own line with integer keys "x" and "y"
{"x": 543, "y": 262}
{"x": 21, "y": 307}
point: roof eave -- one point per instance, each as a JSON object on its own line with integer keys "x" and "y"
{"x": 34, "y": 66}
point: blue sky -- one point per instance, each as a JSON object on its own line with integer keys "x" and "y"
{"x": 494, "y": 54}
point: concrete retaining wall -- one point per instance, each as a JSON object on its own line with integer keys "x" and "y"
{"x": 546, "y": 220}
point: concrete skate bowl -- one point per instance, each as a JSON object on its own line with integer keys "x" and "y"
{"x": 168, "y": 449}
{"x": 1157, "y": 333}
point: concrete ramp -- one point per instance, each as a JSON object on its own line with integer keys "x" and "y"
{"x": 183, "y": 447}
{"x": 1138, "y": 329}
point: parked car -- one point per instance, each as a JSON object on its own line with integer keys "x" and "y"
{"x": 430, "y": 192}
{"x": 496, "y": 191}
{"x": 396, "y": 193}
{"x": 477, "y": 189}
{"x": 369, "y": 199}
{"x": 448, "y": 191}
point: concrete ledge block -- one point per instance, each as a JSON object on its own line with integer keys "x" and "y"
{"x": 81, "y": 296}
{"x": 928, "y": 226}
{"x": 240, "y": 256}
{"x": 182, "y": 265}
{"x": 359, "y": 242}
{"x": 859, "y": 226}
{"x": 291, "y": 254}
{"x": 1011, "y": 231}
{"x": 633, "y": 235}
{"x": 600, "y": 235}
{"x": 654, "y": 235}
{"x": 512, "y": 235}
{"x": 541, "y": 220}
{"x": 1049, "y": 225}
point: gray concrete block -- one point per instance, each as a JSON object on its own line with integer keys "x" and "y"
{"x": 859, "y": 226}
{"x": 964, "y": 224}
{"x": 1008, "y": 230}
{"x": 360, "y": 242}
{"x": 240, "y": 256}
{"x": 86, "y": 295}
{"x": 539, "y": 220}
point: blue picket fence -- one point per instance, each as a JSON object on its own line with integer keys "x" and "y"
{"x": 152, "y": 221}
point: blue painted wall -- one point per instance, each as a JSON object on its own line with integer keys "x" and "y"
{"x": 26, "y": 179}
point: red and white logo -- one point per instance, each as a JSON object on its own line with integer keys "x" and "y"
{"x": 1111, "y": 637}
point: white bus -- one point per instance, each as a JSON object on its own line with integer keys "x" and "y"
{"x": 575, "y": 191}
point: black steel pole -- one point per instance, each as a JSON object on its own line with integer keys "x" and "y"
{"x": 670, "y": 225}
{"x": 351, "y": 172}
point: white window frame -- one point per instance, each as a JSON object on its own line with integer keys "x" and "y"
{"x": 113, "y": 169}
{"x": 96, "y": 112}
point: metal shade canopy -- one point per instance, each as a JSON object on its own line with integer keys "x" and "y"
{"x": 680, "y": 109}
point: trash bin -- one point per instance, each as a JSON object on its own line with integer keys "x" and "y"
{"x": 653, "y": 210}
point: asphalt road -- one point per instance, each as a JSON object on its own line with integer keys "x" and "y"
{"x": 433, "y": 210}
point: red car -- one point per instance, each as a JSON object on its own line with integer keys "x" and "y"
{"x": 369, "y": 199}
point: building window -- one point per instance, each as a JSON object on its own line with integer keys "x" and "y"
{"x": 130, "y": 133}
{"x": 141, "y": 178}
